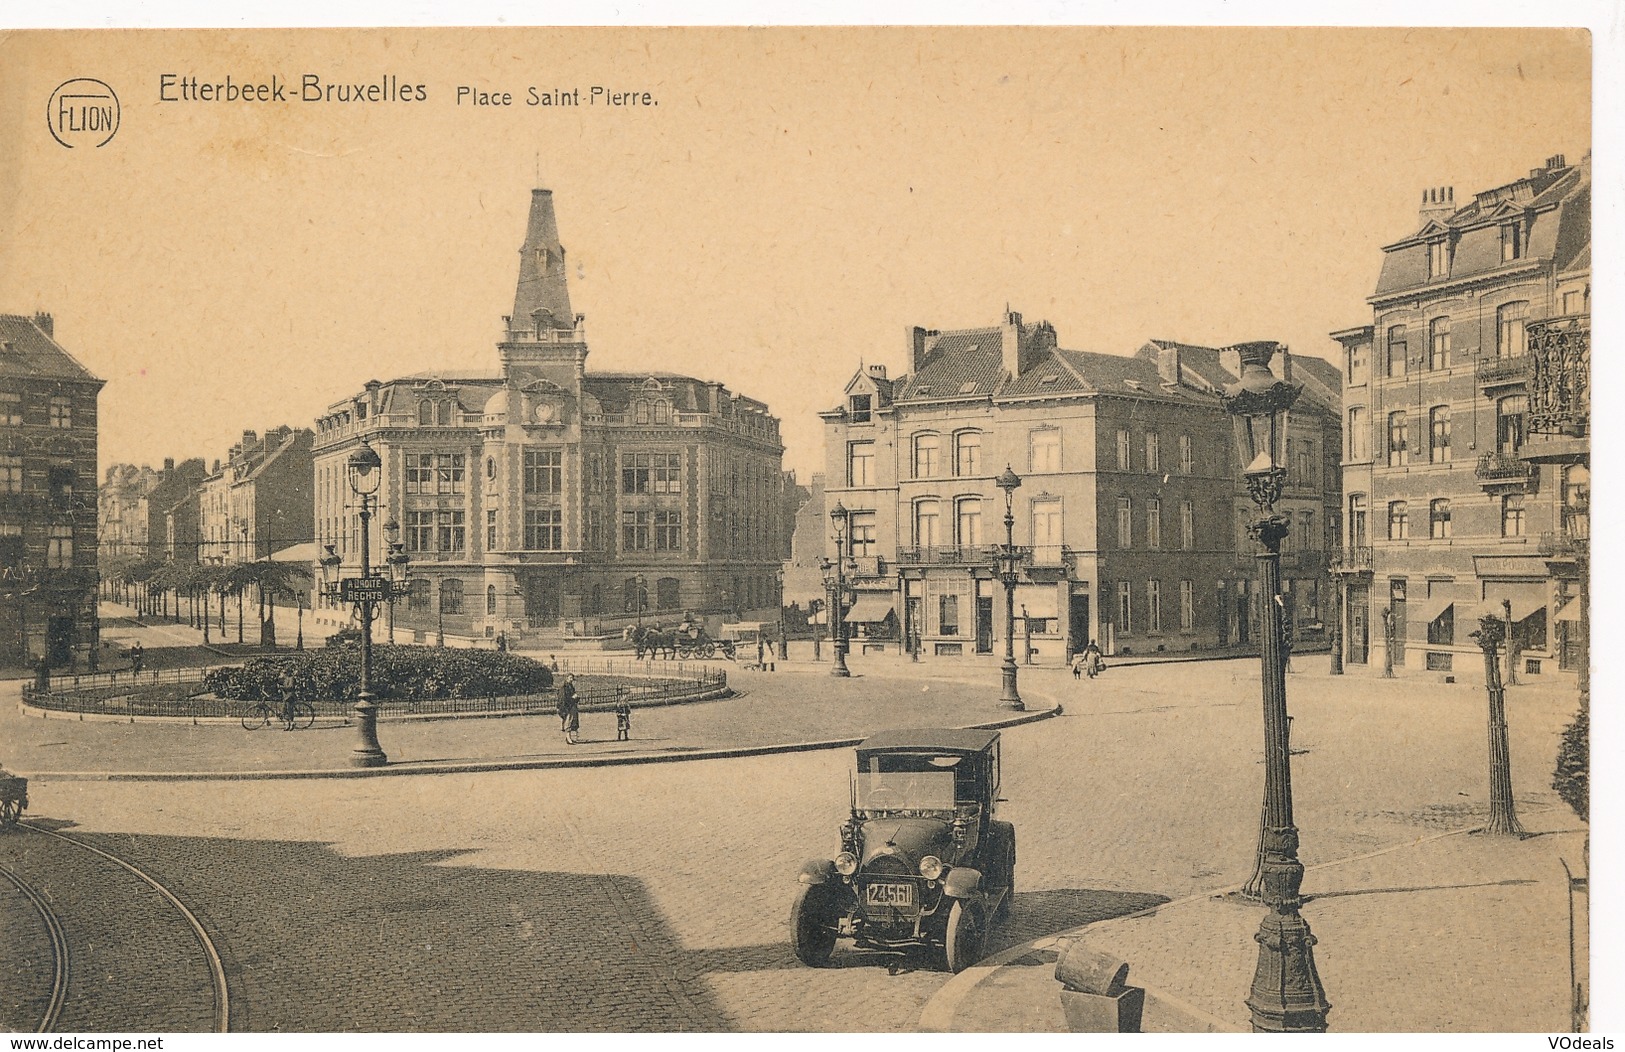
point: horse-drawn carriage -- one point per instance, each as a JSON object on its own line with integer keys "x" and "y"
{"x": 686, "y": 641}
{"x": 13, "y": 798}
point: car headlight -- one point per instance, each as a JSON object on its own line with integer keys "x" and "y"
{"x": 930, "y": 867}
{"x": 846, "y": 863}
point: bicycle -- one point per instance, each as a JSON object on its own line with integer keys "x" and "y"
{"x": 293, "y": 715}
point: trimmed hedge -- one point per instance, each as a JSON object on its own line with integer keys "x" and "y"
{"x": 402, "y": 672}
{"x": 1572, "y": 779}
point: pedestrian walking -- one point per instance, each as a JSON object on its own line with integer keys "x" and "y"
{"x": 553, "y": 662}
{"x": 761, "y": 655}
{"x": 502, "y": 642}
{"x": 1077, "y": 665}
{"x": 569, "y": 711}
{"x": 137, "y": 656}
{"x": 623, "y": 717}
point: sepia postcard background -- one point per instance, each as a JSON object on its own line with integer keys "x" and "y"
{"x": 782, "y": 206}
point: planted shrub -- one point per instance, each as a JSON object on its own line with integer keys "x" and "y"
{"x": 403, "y": 672}
{"x": 1572, "y": 779}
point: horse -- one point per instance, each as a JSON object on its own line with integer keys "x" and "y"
{"x": 651, "y": 640}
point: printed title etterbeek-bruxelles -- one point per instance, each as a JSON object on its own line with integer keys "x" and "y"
{"x": 178, "y": 87}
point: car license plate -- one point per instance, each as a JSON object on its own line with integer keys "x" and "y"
{"x": 889, "y": 895}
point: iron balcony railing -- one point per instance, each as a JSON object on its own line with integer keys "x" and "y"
{"x": 1503, "y": 466}
{"x": 1500, "y": 371}
{"x": 1353, "y": 559}
{"x": 1564, "y": 543}
{"x": 953, "y": 555}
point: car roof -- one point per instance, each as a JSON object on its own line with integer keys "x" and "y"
{"x": 929, "y": 739}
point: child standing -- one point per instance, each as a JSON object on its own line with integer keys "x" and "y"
{"x": 623, "y": 719}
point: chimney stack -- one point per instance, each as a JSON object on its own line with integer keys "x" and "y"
{"x": 169, "y": 465}
{"x": 1169, "y": 365}
{"x": 877, "y": 371}
{"x": 1437, "y": 203}
{"x": 46, "y": 323}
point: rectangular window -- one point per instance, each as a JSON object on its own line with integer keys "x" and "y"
{"x": 1153, "y": 606}
{"x": 1308, "y": 540}
{"x": 59, "y": 548}
{"x": 968, "y": 453}
{"x": 595, "y": 473}
{"x": 1439, "y": 519}
{"x": 1358, "y": 361}
{"x": 1124, "y": 450}
{"x": 11, "y": 407}
{"x": 1511, "y": 243}
{"x": 1153, "y": 452}
{"x": 1439, "y": 434}
{"x": 420, "y": 472}
{"x": 948, "y": 615}
{"x": 62, "y": 417}
{"x": 860, "y": 464}
{"x": 968, "y": 523}
{"x": 1187, "y": 459}
{"x": 1125, "y": 608}
{"x": 1509, "y": 329}
{"x": 860, "y": 408}
{"x": 927, "y": 524}
{"x": 1399, "y": 453}
{"x": 491, "y": 531}
{"x": 449, "y": 526}
{"x": 1047, "y": 523}
{"x": 1187, "y": 605}
{"x": 1399, "y": 521}
{"x": 1125, "y": 522}
{"x": 668, "y": 531}
{"x": 11, "y": 474}
{"x": 1438, "y": 260}
{"x": 544, "y": 529}
{"x": 1439, "y": 343}
{"x": 420, "y": 531}
{"x": 862, "y": 542}
{"x": 635, "y": 531}
{"x": 1397, "y": 350}
{"x": 544, "y": 471}
{"x": 1153, "y": 523}
{"x": 595, "y": 530}
{"x": 1044, "y": 450}
{"x": 450, "y": 469}
{"x": 926, "y": 450}
{"x": 1509, "y": 416}
{"x": 1359, "y": 445}
{"x": 1187, "y": 525}
{"x": 1512, "y": 515}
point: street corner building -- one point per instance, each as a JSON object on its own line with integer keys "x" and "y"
{"x": 547, "y": 502}
{"x": 1129, "y": 518}
{"x": 1467, "y": 467}
{"x": 48, "y": 505}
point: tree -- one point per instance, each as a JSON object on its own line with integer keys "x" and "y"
{"x": 271, "y": 579}
{"x": 1572, "y": 778}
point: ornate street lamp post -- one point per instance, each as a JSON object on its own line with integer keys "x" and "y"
{"x": 784, "y": 644}
{"x": 364, "y": 593}
{"x": 1287, "y": 996}
{"x": 841, "y": 518}
{"x": 1009, "y": 565}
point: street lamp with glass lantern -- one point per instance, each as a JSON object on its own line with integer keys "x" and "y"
{"x": 1009, "y": 567}
{"x": 1287, "y": 996}
{"x": 364, "y": 471}
{"x": 784, "y": 644}
{"x": 841, "y": 518}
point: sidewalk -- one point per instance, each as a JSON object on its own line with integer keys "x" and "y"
{"x": 1392, "y": 953}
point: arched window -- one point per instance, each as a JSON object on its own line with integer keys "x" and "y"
{"x": 1399, "y": 520}
{"x": 968, "y": 522}
{"x": 1439, "y": 518}
{"x": 1357, "y": 514}
{"x": 927, "y": 524}
{"x": 1399, "y": 452}
{"x": 662, "y": 412}
{"x": 425, "y": 413}
{"x": 666, "y": 594}
{"x": 490, "y": 467}
{"x": 968, "y": 453}
{"x": 1397, "y": 350}
{"x": 635, "y": 597}
{"x": 927, "y": 451}
{"x": 490, "y": 599}
{"x": 642, "y": 410}
{"x": 1439, "y": 343}
{"x": 418, "y": 597}
{"x": 451, "y": 596}
{"x": 1509, "y": 413}
{"x": 1509, "y": 331}
{"x": 443, "y": 413}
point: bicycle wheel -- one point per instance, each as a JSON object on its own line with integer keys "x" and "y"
{"x": 304, "y": 715}
{"x": 256, "y": 717}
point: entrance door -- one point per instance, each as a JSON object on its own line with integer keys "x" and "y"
{"x": 1244, "y": 613}
{"x": 1359, "y": 630}
{"x": 1079, "y": 623}
{"x": 542, "y": 599}
{"x": 59, "y": 640}
{"x": 984, "y": 617}
{"x": 911, "y": 622}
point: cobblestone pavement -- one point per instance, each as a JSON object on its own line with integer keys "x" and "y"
{"x": 656, "y": 897}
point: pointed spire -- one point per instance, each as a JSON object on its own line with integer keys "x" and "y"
{"x": 542, "y": 293}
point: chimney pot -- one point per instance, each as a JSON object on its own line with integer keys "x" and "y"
{"x": 46, "y": 323}
{"x": 169, "y": 464}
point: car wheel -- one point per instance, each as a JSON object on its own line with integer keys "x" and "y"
{"x": 966, "y": 937}
{"x": 813, "y": 925}
{"x": 1006, "y": 871}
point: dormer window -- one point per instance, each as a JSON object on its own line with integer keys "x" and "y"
{"x": 1438, "y": 259}
{"x": 860, "y": 406}
{"x": 1511, "y": 243}
{"x": 662, "y": 412}
{"x": 642, "y": 412}
{"x": 967, "y": 387}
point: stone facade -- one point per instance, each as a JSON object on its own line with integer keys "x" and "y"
{"x": 543, "y": 498}
{"x": 1452, "y": 509}
{"x": 48, "y": 505}
{"x": 257, "y": 502}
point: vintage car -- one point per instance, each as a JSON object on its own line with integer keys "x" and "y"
{"x": 923, "y": 862}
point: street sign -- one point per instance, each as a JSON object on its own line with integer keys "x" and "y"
{"x": 364, "y": 589}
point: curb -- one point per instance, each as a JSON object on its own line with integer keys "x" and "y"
{"x": 504, "y": 764}
{"x": 940, "y": 1011}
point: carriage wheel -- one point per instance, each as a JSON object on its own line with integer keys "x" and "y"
{"x": 710, "y": 650}
{"x": 11, "y": 809}
{"x": 729, "y": 650}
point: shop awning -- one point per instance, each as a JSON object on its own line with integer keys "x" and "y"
{"x": 1569, "y": 611}
{"x": 869, "y": 609}
{"x": 298, "y": 553}
{"x": 1434, "y": 607}
{"x": 1526, "y": 599}
{"x": 1038, "y": 600}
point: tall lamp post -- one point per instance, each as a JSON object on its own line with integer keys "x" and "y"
{"x": 392, "y": 530}
{"x": 364, "y": 593}
{"x": 1009, "y": 564}
{"x": 841, "y": 519}
{"x": 1287, "y": 996}
{"x": 784, "y": 644}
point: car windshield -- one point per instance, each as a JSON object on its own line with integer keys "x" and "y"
{"x": 907, "y": 782}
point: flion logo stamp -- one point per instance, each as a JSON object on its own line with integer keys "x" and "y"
{"x": 82, "y": 112}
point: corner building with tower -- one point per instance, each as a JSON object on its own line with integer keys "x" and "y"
{"x": 544, "y": 500}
